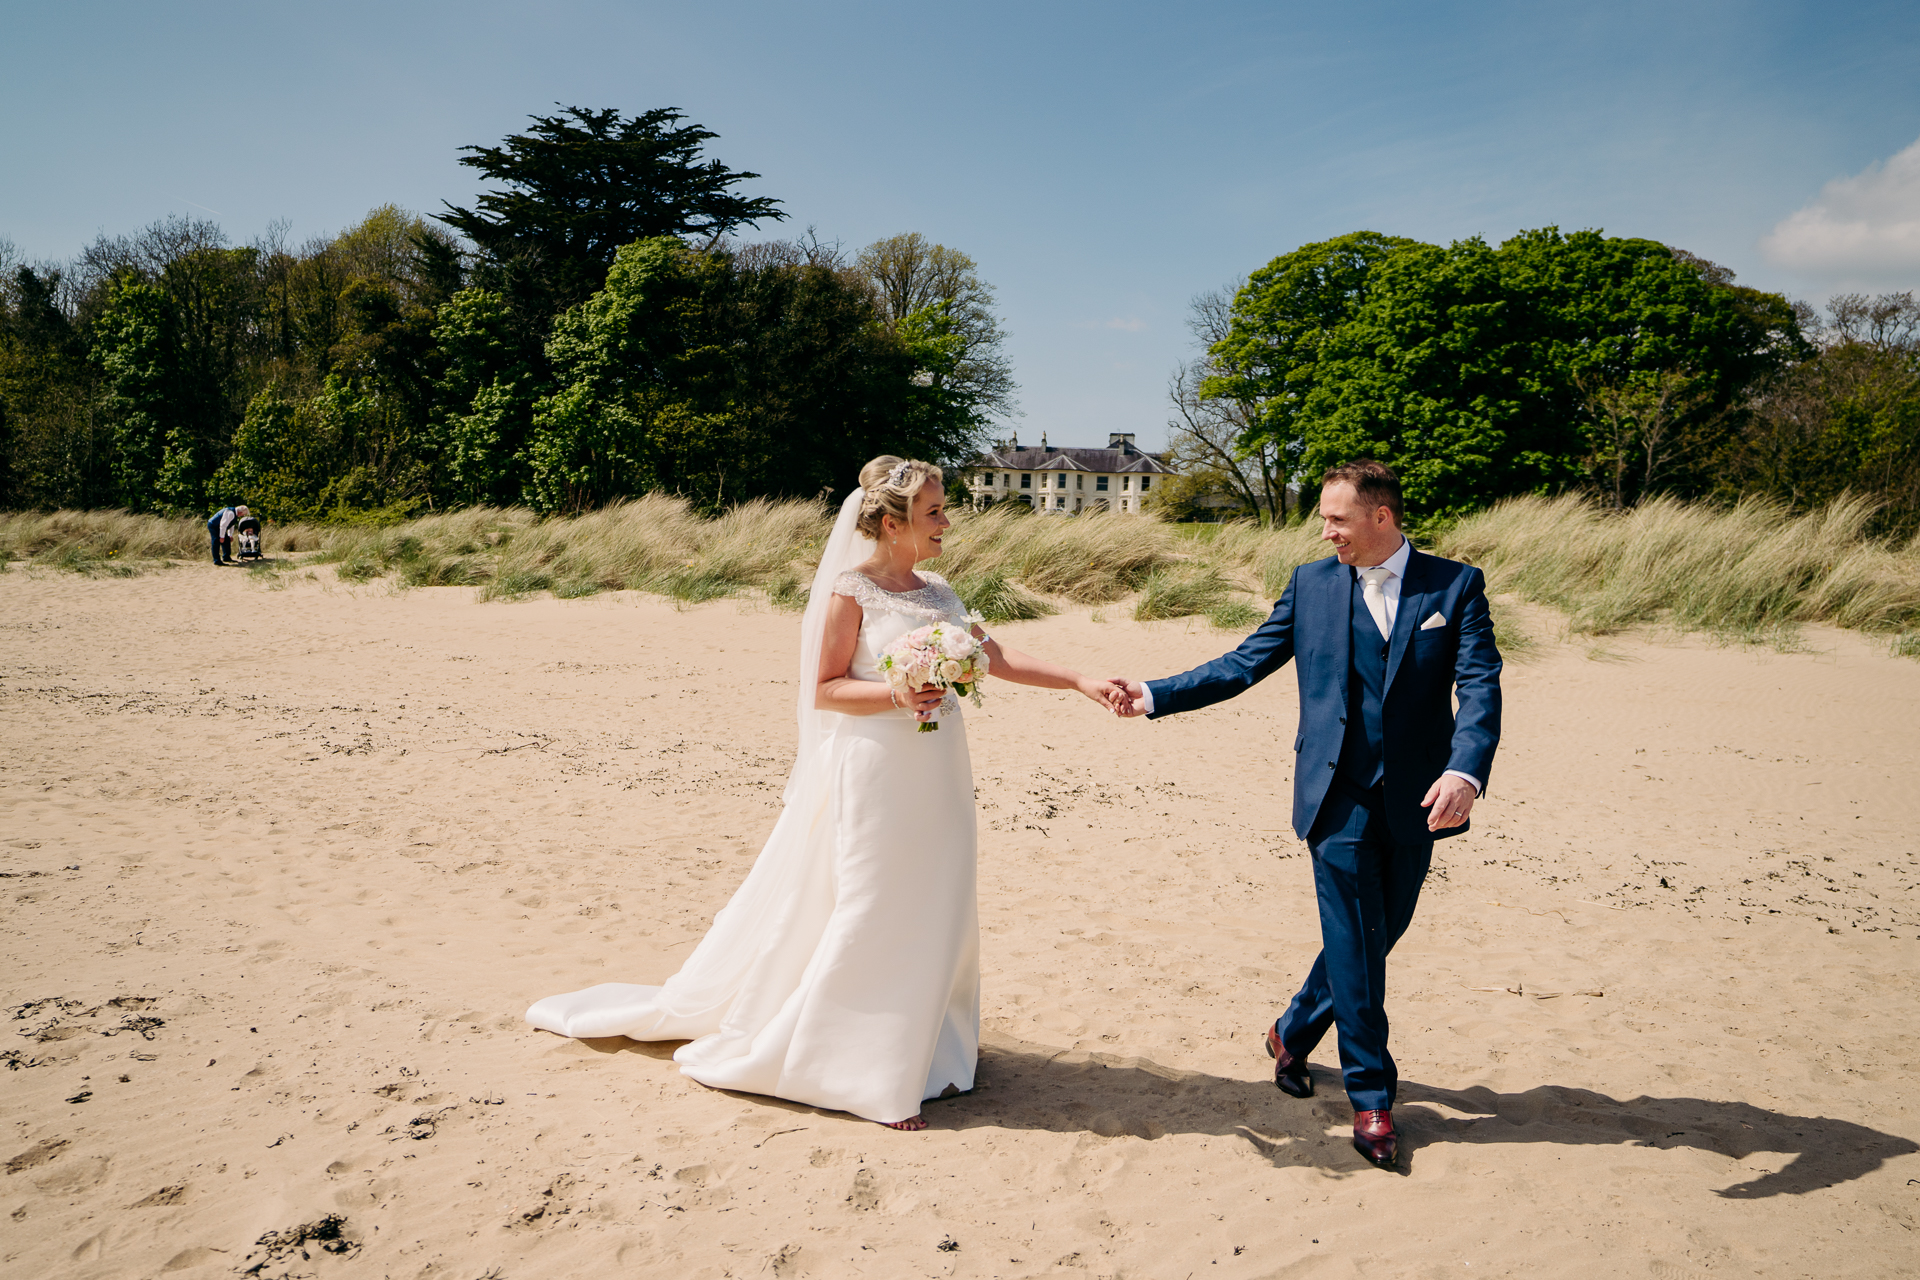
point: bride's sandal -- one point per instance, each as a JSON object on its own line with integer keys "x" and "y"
{"x": 912, "y": 1124}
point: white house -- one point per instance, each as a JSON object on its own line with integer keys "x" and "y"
{"x": 1066, "y": 480}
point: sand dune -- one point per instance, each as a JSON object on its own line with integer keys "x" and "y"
{"x": 282, "y": 867}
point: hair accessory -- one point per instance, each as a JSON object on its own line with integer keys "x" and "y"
{"x": 899, "y": 476}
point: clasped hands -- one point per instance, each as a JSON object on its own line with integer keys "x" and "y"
{"x": 1113, "y": 694}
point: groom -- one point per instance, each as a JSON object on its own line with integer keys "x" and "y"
{"x": 1386, "y": 638}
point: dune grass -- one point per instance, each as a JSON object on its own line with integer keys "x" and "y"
{"x": 1264, "y": 556}
{"x": 1747, "y": 573}
{"x": 98, "y": 543}
{"x": 1094, "y": 558}
{"x": 995, "y": 598}
{"x": 121, "y": 543}
{"x": 655, "y": 543}
{"x": 1743, "y": 572}
{"x": 1181, "y": 593}
{"x": 1236, "y": 615}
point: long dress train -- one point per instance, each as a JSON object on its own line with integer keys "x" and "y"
{"x": 845, "y": 971}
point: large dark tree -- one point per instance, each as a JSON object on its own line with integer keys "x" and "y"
{"x": 577, "y": 186}
{"x": 54, "y": 449}
{"x": 1847, "y": 420}
{"x": 722, "y": 376}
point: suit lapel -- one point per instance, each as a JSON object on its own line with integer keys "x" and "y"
{"x": 1339, "y": 607}
{"x": 1412, "y": 610}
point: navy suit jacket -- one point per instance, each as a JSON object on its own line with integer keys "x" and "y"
{"x": 1424, "y": 736}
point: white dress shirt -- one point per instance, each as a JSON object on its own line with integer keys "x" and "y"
{"x": 1396, "y": 567}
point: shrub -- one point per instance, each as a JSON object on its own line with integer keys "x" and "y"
{"x": 994, "y": 598}
{"x": 1235, "y": 615}
{"x": 1180, "y": 594}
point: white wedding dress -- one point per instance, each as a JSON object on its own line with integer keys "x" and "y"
{"x": 845, "y": 971}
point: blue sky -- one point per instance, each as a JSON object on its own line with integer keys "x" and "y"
{"x": 1102, "y": 163}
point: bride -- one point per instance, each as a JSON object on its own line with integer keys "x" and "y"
{"x": 845, "y": 972}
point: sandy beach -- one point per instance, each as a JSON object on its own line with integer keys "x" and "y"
{"x": 285, "y": 861}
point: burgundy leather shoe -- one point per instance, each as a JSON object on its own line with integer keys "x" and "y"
{"x": 1374, "y": 1137}
{"x": 1289, "y": 1073}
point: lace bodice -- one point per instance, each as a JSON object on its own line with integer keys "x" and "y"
{"x": 888, "y": 615}
{"x": 935, "y": 602}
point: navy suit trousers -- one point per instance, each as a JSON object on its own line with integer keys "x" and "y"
{"x": 1367, "y": 884}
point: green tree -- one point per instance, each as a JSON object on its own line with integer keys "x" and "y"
{"x": 910, "y": 276}
{"x": 724, "y": 376}
{"x": 1226, "y": 452}
{"x": 1431, "y": 375}
{"x": 579, "y": 185}
{"x": 1268, "y": 358}
{"x": 1480, "y": 372}
{"x": 134, "y": 347}
{"x": 820, "y": 382}
{"x": 54, "y": 449}
{"x": 1847, "y": 419}
{"x": 181, "y": 349}
{"x": 1628, "y": 324}
{"x": 618, "y": 423}
{"x": 271, "y": 463}
{"x": 1632, "y": 429}
{"x": 486, "y": 393}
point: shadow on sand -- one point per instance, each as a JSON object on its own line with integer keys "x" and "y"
{"x": 1030, "y": 1086}
{"x": 1026, "y": 1086}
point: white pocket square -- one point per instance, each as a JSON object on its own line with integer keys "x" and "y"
{"x": 1435, "y": 621}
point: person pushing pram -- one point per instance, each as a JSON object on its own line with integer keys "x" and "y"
{"x": 220, "y": 530}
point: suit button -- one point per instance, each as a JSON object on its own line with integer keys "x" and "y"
{"x": 1343, "y": 719}
{"x": 1331, "y": 764}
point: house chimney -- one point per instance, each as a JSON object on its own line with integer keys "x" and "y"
{"x": 1121, "y": 440}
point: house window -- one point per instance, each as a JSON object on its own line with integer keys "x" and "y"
{"x": 1079, "y": 482}
{"x": 1060, "y": 504}
{"x": 1100, "y": 484}
{"x": 1006, "y": 482}
{"x": 1144, "y": 482}
{"x": 1026, "y": 481}
{"x": 1127, "y": 484}
{"x": 1060, "y": 481}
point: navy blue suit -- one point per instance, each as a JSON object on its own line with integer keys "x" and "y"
{"x": 1377, "y": 727}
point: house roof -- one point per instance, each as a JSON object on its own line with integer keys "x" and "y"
{"x": 1055, "y": 458}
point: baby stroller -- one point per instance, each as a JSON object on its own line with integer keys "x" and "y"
{"x": 247, "y": 528}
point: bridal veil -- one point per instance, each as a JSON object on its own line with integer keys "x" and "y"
{"x": 792, "y": 872}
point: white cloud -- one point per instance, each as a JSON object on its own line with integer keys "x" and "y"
{"x": 1131, "y": 324}
{"x": 1864, "y": 226}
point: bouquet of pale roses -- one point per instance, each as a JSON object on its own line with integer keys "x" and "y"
{"x": 942, "y": 655}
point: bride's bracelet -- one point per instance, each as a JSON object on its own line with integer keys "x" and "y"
{"x": 893, "y": 696}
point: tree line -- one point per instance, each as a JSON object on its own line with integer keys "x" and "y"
{"x": 1551, "y": 362}
{"x": 592, "y": 328}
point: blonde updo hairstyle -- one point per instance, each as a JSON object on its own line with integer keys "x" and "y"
{"x": 890, "y": 485}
